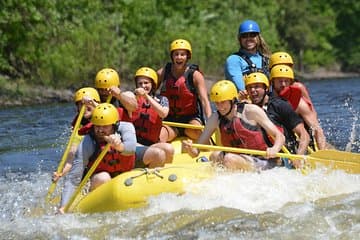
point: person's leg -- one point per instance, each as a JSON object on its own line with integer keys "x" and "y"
{"x": 154, "y": 157}
{"x": 168, "y": 149}
{"x": 239, "y": 162}
{"x": 194, "y": 134}
{"x": 216, "y": 157}
{"x": 98, "y": 179}
{"x": 167, "y": 134}
{"x": 233, "y": 161}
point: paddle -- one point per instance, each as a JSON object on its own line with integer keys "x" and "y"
{"x": 183, "y": 125}
{"x": 191, "y": 126}
{"x": 66, "y": 152}
{"x": 108, "y": 99}
{"x": 86, "y": 178}
{"x": 344, "y": 164}
{"x": 337, "y": 155}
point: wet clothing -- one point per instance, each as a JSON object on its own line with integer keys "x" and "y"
{"x": 261, "y": 163}
{"x": 86, "y": 149}
{"x": 237, "y": 65}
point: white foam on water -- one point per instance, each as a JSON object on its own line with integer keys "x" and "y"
{"x": 352, "y": 136}
{"x": 258, "y": 192}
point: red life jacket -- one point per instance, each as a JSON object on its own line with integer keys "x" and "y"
{"x": 147, "y": 123}
{"x": 85, "y": 129}
{"x": 182, "y": 96}
{"x": 83, "y": 121}
{"x": 123, "y": 115}
{"x": 237, "y": 133}
{"x": 113, "y": 161}
{"x": 293, "y": 95}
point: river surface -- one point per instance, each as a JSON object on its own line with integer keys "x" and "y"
{"x": 275, "y": 204}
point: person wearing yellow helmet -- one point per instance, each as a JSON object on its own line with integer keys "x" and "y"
{"x": 184, "y": 86}
{"x": 253, "y": 55}
{"x": 279, "y": 111}
{"x": 284, "y": 58}
{"x": 147, "y": 120}
{"x": 107, "y": 82}
{"x": 106, "y": 128}
{"x": 241, "y": 125}
{"x": 282, "y": 77}
{"x": 88, "y": 96}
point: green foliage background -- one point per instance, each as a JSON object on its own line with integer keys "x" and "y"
{"x": 63, "y": 44}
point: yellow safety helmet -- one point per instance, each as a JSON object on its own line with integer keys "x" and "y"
{"x": 256, "y": 77}
{"x": 87, "y": 91}
{"x": 107, "y": 78}
{"x": 223, "y": 90}
{"x": 280, "y": 58}
{"x": 181, "y": 44}
{"x": 283, "y": 71}
{"x": 148, "y": 72}
{"x": 104, "y": 114}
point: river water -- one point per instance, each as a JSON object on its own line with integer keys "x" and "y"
{"x": 275, "y": 204}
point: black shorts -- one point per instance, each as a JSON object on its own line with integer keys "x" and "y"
{"x": 183, "y": 119}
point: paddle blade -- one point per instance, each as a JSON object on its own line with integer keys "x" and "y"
{"x": 337, "y": 155}
{"x": 349, "y": 167}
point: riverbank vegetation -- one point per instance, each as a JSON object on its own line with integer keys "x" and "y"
{"x": 62, "y": 44}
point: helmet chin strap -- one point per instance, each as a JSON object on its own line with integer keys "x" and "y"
{"x": 263, "y": 98}
{"x": 231, "y": 107}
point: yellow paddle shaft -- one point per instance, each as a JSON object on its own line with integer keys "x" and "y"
{"x": 263, "y": 153}
{"x": 66, "y": 152}
{"x": 246, "y": 151}
{"x": 69, "y": 206}
{"x": 183, "y": 125}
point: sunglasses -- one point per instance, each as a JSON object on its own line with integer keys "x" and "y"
{"x": 249, "y": 34}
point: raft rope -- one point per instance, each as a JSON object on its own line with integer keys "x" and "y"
{"x": 155, "y": 171}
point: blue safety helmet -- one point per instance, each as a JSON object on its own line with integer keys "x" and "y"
{"x": 249, "y": 26}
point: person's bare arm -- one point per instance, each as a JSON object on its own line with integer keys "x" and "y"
{"x": 200, "y": 85}
{"x": 310, "y": 118}
{"x": 162, "y": 111}
{"x": 209, "y": 129}
{"x": 126, "y": 98}
{"x": 303, "y": 136}
{"x": 256, "y": 114}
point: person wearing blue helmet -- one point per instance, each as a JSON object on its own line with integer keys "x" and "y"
{"x": 253, "y": 55}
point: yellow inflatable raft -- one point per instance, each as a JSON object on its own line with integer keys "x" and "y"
{"x": 133, "y": 188}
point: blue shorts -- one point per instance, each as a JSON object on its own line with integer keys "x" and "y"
{"x": 140, "y": 152}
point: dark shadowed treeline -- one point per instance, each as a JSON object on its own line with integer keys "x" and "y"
{"x": 64, "y": 43}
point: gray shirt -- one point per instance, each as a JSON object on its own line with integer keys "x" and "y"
{"x": 86, "y": 149}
